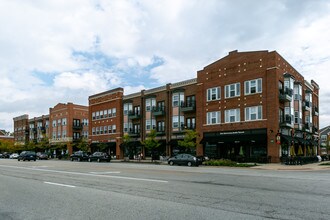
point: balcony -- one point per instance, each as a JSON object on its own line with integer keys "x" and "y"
{"x": 133, "y": 115}
{"x": 287, "y": 121}
{"x": 286, "y": 95}
{"x": 308, "y": 127}
{"x": 188, "y": 106}
{"x": 307, "y": 105}
{"x": 134, "y": 133}
{"x": 77, "y": 126}
{"x": 158, "y": 111}
{"x": 315, "y": 129}
{"x": 160, "y": 131}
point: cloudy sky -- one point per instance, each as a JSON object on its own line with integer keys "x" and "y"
{"x": 66, "y": 50}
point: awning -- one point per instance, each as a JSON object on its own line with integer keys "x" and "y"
{"x": 233, "y": 138}
{"x": 301, "y": 140}
{"x": 287, "y": 138}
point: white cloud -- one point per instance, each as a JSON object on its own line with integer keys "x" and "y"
{"x": 117, "y": 42}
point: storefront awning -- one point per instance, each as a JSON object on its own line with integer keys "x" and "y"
{"x": 236, "y": 136}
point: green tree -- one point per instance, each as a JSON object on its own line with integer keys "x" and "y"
{"x": 151, "y": 143}
{"x": 128, "y": 151}
{"x": 189, "y": 141}
{"x": 82, "y": 144}
{"x": 102, "y": 146}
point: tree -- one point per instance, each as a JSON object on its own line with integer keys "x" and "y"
{"x": 189, "y": 140}
{"x": 82, "y": 144}
{"x": 128, "y": 151}
{"x": 102, "y": 146}
{"x": 151, "y": 143}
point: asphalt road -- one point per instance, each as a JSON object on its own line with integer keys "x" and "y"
{"x": 80, "y": 190}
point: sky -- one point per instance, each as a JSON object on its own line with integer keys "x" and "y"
{"x": 60, "y": 51}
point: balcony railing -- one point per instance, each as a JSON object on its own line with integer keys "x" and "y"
{"x": 77, "y": 126}
{"x": 134, "y": 115}
{"x": 158, "y": 111}
{"x": 160, "y": 131}
{"x": 287, "y": 121}
{"x": 134, "y": 133}
{"x": 188, "y": 106}
{"x": 286, "y": 95}
{"x": 315, "y": 111}
{"x": 307, "y": 105}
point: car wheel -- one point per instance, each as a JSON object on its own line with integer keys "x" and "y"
{"x": 189, "y": 164}
{"x": 18, "y": 159}
{"x": 34, "y": 159}
{"x": 171, "y": 163}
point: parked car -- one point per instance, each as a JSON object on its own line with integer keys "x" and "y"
{"x": 5, "y": 155}
{"x": 42, "y": 156}
{"x": 79, "y": 156}
{"x": 13, "y": 156}
{"x": 27, "y": 155}
{"x": 99, "y": 156}
{"x": 185, "y": 159}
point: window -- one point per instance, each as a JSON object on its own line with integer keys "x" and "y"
{"x": 253, "y": 86}
{"x": 101, "y": 130}
{"x": 253, "y": 113}
{"x": 127, "y": 108}
{"x": 110, "y": 129}
{"x": 213, "y": 94}
{"x": 93, "y": 116}
{"x": 97, "y": 130}
{"x": 93, "y": 131}
{"x": 232, "y": 90}
{"x": 114, "y": 112}
{"x": 213, "y": 118}
{"x": 64, "y": 121}
{"x": 191, "y": 123}
{"x": 113, "y": 128}
{"x": 178, "y": 122}
{"x": 54, "y": 123}
{"x": 148, "y": 125}
{"x": 101, "y": 114}
{"x": 105, "y": 129}
{"x": 150, "y": 103}
{"x": 232, "y": 115}
{"x": 161, "y": 126}
{"x": 105, "y": 113}
{"x": 64, "y": 134}
{"x": 59, "y": 121}
{"x": 109, "y": 113}
{"x": 177, "y": 99}
{"x": 125, "y": 127}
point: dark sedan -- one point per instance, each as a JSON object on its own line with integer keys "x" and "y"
{"x": 27, "y": 155}
{"x": 99, "y": 156}
{"x": 79, "y": 156}
{"x": 185, "y": 159}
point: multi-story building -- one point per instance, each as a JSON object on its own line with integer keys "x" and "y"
{"x": 39, "y": 128}
{"x": 105, "y": 116}
{"x": 255, "y": 105}
{"x": 325, "y": 141}
{"x": 6, "y": 136}
{"x": 68, "y": 124}
{"x": 21, "y": 130}
{"x": 251, "y": 105}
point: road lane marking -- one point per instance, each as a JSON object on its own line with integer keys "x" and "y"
{"x": 105, "y": 172}
{"x": 59, "y": 184}
{"x": 87, "y": 174}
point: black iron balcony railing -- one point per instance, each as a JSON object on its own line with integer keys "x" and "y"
{"x": 287, "y": 121}
{"x": 133, "y": 133}
{"x": 286, "y": 95}
{"x": 158, "y": 111}
{"x": 77, "y": 126}
{"x": 188, "y": 106}
{"x": 134, "y": 115}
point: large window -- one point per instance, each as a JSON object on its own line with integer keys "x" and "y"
{"x": 213, "y": 118}
{"x": 150, "y": 124}
{"x": 177, "y": 99}
{"x": 127, "y": 107}
{"x": 213, "y": 94}
{"x": 232, "y": 115}
{"x": 232, "y": 90}
{"x": 150, "y": 103}
{"x": 253, "y": 86}
{"x": 178, "y": 122}
{"x": 253, "y": 113}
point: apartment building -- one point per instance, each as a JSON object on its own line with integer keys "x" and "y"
{"x": 21, "y": 129}
{"x": 68, "y": 124}
{"x": 5, "y": 136}
{"x": 105, "y": 116}
{"x": 325, "y": 141}
{"x": 39, "y": 128}
{"x": 255, "y": 105}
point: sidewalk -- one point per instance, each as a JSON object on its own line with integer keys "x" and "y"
{"x": 306, "y": 167}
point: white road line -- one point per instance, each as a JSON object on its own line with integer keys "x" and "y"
{"x": 59, "y": 184}
{"x": 104, "y": 172}
{"x": 88, "y": 174}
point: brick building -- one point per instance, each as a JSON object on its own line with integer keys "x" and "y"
{"x": 247, "y": 105}
{"x": 39, "y": 128}
{"x": 21, "y": 129}
{"x": 255, "y": 105}
{"x": 68, "y": 124}
{"x": 105, "y": 118}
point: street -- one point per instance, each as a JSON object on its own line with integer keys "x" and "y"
{"x": 56, "y": 189}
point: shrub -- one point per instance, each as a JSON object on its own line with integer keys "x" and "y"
{"x": 227, "y": 163}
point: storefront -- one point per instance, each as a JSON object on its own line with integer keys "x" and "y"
{"x": 243, "y": 145}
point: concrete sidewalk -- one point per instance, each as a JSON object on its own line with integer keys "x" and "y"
{"x": 306, "y": 167}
